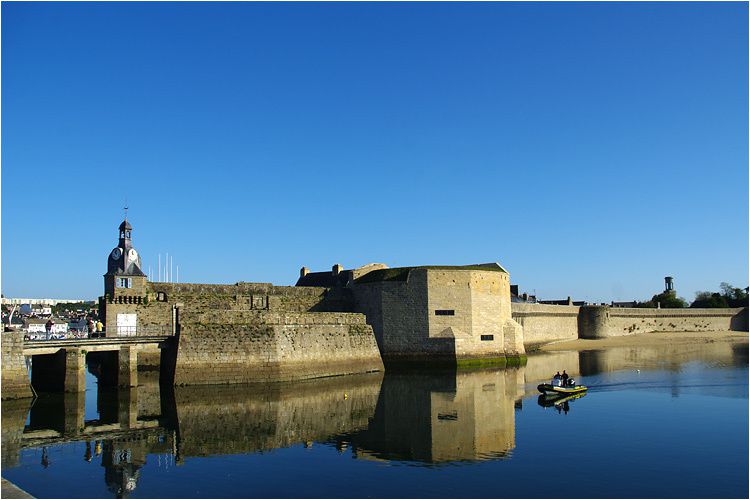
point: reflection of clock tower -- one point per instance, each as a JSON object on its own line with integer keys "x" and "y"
{"x": 124, "y": 281}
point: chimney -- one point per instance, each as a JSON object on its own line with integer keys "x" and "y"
{"x": 337, "y": 269}
{"x": 303, "y": 272}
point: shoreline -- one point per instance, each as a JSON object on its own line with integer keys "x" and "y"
{"x": 647, "y": 339}
{"x": 10, "y": 490}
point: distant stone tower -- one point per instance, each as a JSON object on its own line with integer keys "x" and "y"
{"x": 669, "y": 284}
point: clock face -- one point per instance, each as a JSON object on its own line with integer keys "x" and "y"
{"x": 116, "y": 253}
{"x": 133, "y": 255}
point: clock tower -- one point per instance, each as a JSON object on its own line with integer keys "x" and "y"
{"x": 124, "y": 277}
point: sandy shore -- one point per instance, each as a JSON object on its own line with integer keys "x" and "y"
{"x": 649, "y": 339}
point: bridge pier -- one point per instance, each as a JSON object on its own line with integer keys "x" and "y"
{"x": 127, "y": 375}
{"x": 75, "y": 370}
{"x": 127, "y": 407}
{"x": 75, "y": 410}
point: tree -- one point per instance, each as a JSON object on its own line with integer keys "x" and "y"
{"x": 667, "y": 300}
{"x": 708, "y": 299}
{"x": 730, "y": 296}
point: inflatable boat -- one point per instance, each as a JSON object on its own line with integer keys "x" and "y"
{"x": 559, "y": 390}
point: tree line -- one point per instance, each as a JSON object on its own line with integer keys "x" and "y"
{"x": 728, "y": 296}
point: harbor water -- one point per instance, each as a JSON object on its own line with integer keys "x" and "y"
{"x": 664, "y": 422}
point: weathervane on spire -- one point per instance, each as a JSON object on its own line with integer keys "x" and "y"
{"x": 126, "y": 210}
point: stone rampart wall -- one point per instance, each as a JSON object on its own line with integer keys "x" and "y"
{"x": 549, "y": 323}
{"x": 275, "y": 347}
{"x": 545, "y": 323}
{"x": 251, "y": 332}
{"x": 605, "y": 321}
{"x": 15, "y": 376}
{"x": 441, "y": 313}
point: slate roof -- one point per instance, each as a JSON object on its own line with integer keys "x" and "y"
{"x": 325, "y": 279}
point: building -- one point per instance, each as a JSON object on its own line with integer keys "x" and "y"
{"x": 432, "y": 313}
{"x": 241, "y": 333}
{"x": 124, "y": 283}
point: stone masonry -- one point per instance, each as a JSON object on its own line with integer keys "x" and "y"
{"x": 440, "y": 312}
{"x": 15, "y": 376}
{"x": 251, "y": 332}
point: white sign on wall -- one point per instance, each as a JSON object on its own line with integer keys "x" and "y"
{"x": 126, "y": 324}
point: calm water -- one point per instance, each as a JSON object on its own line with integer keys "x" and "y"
{"x": 668, "y": 422}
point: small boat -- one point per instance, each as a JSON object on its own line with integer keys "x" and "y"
{"x": 554, "y": 389}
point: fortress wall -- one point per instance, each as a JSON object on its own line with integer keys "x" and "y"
{"x": 397, "y": 312}
{"x": 404, "y": 316}
{"x": 242, "y": 296}
{"x": 219, "y": 303}
{"x": 480, "y": 307}
{"x": 275, "y": 347}
{"x": 544, "y": 323}
{"x": 605, "y": 321}
{"x": 254, "y": 331}
{"x": 15, "y": 376}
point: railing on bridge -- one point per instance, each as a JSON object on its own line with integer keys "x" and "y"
{"x": 119, "y": 331}
{"x": 142, "y": 331}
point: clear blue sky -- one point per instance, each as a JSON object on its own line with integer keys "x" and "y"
{"x": 591, "y": 149}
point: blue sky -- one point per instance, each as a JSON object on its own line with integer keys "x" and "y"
{"x": 591, "y": 149}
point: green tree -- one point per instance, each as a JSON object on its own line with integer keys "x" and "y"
{"x": 730, "y": 296}
{"x": 666, "y": 300}
{"x": 708, "y": 299}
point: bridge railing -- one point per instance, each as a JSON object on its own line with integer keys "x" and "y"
{"x": 141, "y": 331}
{"x": 119, "y": 331}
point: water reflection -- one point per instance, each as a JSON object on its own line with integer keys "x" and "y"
{"x": 442, "y": 416}
{"x": 223, "y": 420}
{"x": 561, "y": 404}
{"x": 424, "y": 417}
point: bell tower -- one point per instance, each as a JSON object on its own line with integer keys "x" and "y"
{"x": 124, "y": 277}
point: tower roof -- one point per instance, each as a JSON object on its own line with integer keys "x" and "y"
{"x": 125, "y": 226}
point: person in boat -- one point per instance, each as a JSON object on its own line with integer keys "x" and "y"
{"x": 564, "y": 377}
{"x": 556, "y": 379}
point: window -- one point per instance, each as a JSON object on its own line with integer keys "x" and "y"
{"x": 161, "y": 297}
{"x": 123, "y": 283}
{"x": 488, "y": 337}
{"x": 448, "y": 416}
{"x": 445, "y": 312}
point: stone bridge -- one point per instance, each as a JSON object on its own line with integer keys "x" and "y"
{"x": 60, "y": 365}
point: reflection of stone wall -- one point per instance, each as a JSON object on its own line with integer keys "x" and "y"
{"x": 442, "y": 416}
{"x": 239, "y": 419}
{"x": 666, "y": 356}
{"x": 13, "y": 419}
{"x": 15, "y": 377}
{"x": 542, "y": 366}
